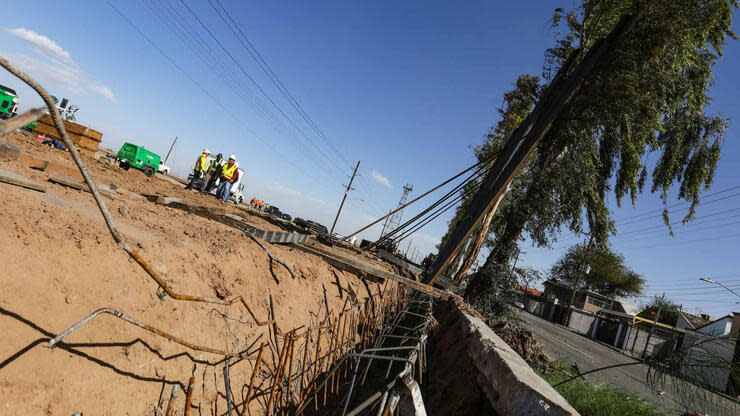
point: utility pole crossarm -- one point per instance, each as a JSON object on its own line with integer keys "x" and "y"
{"x": 522, "y": 143}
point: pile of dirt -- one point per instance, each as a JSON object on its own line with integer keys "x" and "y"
{"x": 521, "y": 340}
{"x": 60, "y": 263}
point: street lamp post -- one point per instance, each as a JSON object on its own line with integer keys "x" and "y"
{"x": 708, "y": 280}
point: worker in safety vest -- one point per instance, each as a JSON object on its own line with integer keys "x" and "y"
{"x": 199, "y": 169}
{"x": 212, "y": 173}
{"x": 229, "y": 175}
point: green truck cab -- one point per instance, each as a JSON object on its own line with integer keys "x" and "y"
{"x": 138, "y": 157}
{"x": 8, "y": 102}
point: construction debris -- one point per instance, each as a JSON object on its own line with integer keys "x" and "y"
{"x": 18, "y": 180}
{"x": 77, "y": 184}
{"x": 9, "y": 151}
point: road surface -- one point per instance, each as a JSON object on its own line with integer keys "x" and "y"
{"x": 560, "y": 343}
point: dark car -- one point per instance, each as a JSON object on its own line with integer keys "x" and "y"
{"x": 312, "y": 226}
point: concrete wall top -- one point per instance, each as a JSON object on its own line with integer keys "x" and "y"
{"x": 510, "y": 384}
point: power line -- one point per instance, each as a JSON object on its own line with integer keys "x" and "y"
{"x": 473, "y": 177}
{"x": 275, "y": 79}
{"x": 677, "y": 204}
{"x": 721, "y": 237}
{"x": 662, "y": 227}
{"x": 211, "y": 59}
{"x": 433, "y": 215}
{"x": 259, "y": 88}
{"x": 197, "y": 84}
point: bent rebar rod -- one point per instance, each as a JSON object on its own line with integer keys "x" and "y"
{"x": 141, "y": 325}
{"x": 59, "y": 124}
{"x": 22, "y": 120}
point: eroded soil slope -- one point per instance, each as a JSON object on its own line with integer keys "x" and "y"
{"x": 59, "y": 263}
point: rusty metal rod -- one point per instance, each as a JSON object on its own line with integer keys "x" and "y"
{"x": 270, "y": 255}
{"x": 133, "y": 321}
{"x": 303, "y": 364}
{"x": 227, "y": 390}
{"x": 59, "y": 124}
{"x": 276, "y": 379}
{"x": 251, "y": 380}
{"x": 189, "y": 396}
{"x": 21, "y": 120}
{"x": 171, "y": 403}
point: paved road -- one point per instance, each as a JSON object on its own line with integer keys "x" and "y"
{"x": 561, "y": 343}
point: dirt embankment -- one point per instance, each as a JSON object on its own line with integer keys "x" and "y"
{"x": 59, "y": 263}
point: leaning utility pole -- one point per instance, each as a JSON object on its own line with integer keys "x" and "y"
{"x": 170, "y": 151}
{"x": 660, "y": 308}
{"x": 346, "y": 191}
{"x": 523, "y": 142}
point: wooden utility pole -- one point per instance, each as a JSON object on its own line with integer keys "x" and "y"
{"x": 170, "y": 151}
{"x": 476, "y": 247}
{"x": 385, "y": 223}
{"x": 660, "y": 308}
{"x": 584, "y": 268}
{"x": 346, "y": 191}
{"x": 523, "y": 142}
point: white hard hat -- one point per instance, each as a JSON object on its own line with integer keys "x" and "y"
{"x": 206, "y": 150}
{"x": 232, "y": 157}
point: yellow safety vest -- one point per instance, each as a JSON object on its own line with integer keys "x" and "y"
{"x": 228, "y": 172}
{"x": 200, "y": 164}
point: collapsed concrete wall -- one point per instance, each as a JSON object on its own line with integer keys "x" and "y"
{"x": 474, "y": 372}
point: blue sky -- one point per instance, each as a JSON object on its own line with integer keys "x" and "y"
{"x": 405, "y": 87}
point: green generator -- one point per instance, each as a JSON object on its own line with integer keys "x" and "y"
{"x": 8, "y": 102}
{"x": 138, "y": 157}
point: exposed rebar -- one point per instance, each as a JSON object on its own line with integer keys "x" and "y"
{"x": 6, "y": 126}
{"x": 133, "y": 321}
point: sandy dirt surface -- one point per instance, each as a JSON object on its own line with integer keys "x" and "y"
{"x": 59, "y": 263}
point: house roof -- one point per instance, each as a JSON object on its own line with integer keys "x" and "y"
{"x": 695, "y": 321}
{"x": 530, "y": 290}
{"x": 716, "y": 320}
{"x": 629, "y": 308}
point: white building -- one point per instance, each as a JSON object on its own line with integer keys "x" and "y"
{"x": 717, "y": 328}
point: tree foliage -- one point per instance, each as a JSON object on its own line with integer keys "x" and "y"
{"x": 639, "y": 118}
{"x": 668, "y": 310}
{"x": 607, "y": 275}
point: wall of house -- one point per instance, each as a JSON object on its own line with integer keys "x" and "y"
{"x": 735, "y": 329}
{"x": 682, "y": 323}
{"x": 707, "y": 359}
{"x": 718, "y": 328}
{"x": 581, "y": 321}
{"x": 532, "y": 306}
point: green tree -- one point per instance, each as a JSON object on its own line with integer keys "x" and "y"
{"x": 668, "y": 310}
{"x": 647, "y": 97}
{"x": 607, "y": 273}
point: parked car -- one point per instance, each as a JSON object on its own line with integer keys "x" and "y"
{"x": 312, "y": 226}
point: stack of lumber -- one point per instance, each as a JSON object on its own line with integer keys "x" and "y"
{"x": 85, "y": 137}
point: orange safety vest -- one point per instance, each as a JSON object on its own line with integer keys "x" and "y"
{"x": 200, "y": 164}
{"x": 228, "y": 172}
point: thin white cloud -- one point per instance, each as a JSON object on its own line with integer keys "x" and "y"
{"x": 102, "y": 90}
{"x": 377, "y": 177}
{"x": 53, "y": 65}
{"x": 46, "y": 45}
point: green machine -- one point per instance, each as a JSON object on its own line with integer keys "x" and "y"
{"x": 8, "y": 102}
{"x": 9, "y": 105}
{"x": 138, "y": 157}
